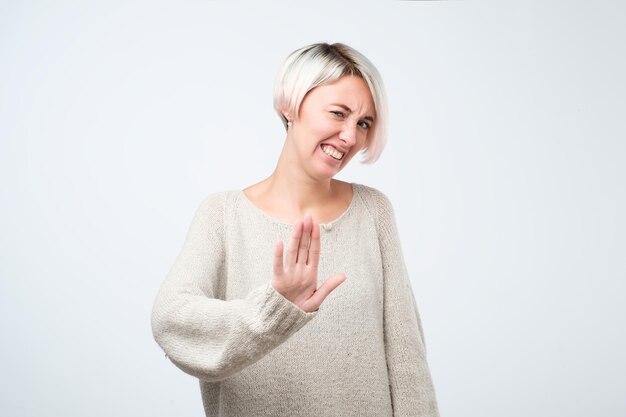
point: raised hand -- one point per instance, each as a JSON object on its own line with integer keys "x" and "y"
{"x": 295, "y": 276}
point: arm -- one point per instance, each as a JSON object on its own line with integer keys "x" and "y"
{"x": 412, "y": 391}
{"x": 207, "y": 337}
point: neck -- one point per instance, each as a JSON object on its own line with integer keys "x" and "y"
{"x": 294, "y": 189}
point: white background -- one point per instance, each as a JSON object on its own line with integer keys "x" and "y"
{"x": 505, "y": 165}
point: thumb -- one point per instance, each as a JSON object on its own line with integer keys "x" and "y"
{"x": 322, "y": 292}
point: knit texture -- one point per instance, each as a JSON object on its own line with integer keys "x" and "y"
{"x": 256, "y": 354}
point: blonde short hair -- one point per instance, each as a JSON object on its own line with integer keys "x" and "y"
{"x": 320, "y": 64}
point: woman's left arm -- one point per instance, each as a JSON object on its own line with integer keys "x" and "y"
{"x": 412, "y": 391}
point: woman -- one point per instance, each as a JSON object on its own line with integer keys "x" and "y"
{"x": 326, "y": 323}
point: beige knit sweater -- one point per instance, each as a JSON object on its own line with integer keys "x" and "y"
{"x": 257, "y": 354}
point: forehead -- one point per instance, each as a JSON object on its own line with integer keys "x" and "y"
{"x": 350, "y": 91}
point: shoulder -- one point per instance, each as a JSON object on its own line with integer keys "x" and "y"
{"x": 212, "y": 209}
{"x": 217, "y": 201}
{"x": 381, "y": 211}
{"x": 374, "y": 200}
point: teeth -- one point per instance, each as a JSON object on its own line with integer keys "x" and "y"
{"x": 332, "y": 152}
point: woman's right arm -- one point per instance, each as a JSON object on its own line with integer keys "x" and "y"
{"x": 208, "y": 337}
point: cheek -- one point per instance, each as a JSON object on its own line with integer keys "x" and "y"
{"x": 356, "y": 148}
{"x": 318, "y": 127}
{"x": 363, "y": 139}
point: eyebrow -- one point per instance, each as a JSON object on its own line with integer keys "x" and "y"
{"x": 349, "y": 110}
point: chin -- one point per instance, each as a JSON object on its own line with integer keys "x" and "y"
{"x": 325, "y": 172}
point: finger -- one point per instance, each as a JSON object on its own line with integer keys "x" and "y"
{"x": 305, "y": 240}
{"x": 314, "y": 248}
{"x": 278, "y": 259}
{"x": 291, "y": 255}
{"x": 322, "y": 292}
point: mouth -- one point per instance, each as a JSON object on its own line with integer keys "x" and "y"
{"x": 332, "y": 152}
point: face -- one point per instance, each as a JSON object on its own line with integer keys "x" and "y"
{"x": 333, "y": 124}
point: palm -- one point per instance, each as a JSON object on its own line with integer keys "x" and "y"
{"x": 295, "y": 274}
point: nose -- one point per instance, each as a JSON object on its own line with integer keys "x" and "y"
{"x": 348, "y": 134}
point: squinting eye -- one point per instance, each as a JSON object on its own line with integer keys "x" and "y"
{"x": 337, "y": 113}
{"x": 364, "y": 125}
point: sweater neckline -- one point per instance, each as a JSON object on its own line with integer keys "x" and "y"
{"x": 325, "y": 226}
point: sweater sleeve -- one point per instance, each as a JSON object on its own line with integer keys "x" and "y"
{"x": 412, "y": 391}
{"x": 208, "y": 337}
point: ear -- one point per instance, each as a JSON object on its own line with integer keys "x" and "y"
{"x": 285, "y": 112}
{"x": 288, "y": 119}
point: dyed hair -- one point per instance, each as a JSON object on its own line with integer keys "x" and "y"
{"x": 320, "y": 64}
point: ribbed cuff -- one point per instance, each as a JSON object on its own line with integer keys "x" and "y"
{"x": 280, "y": 314}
